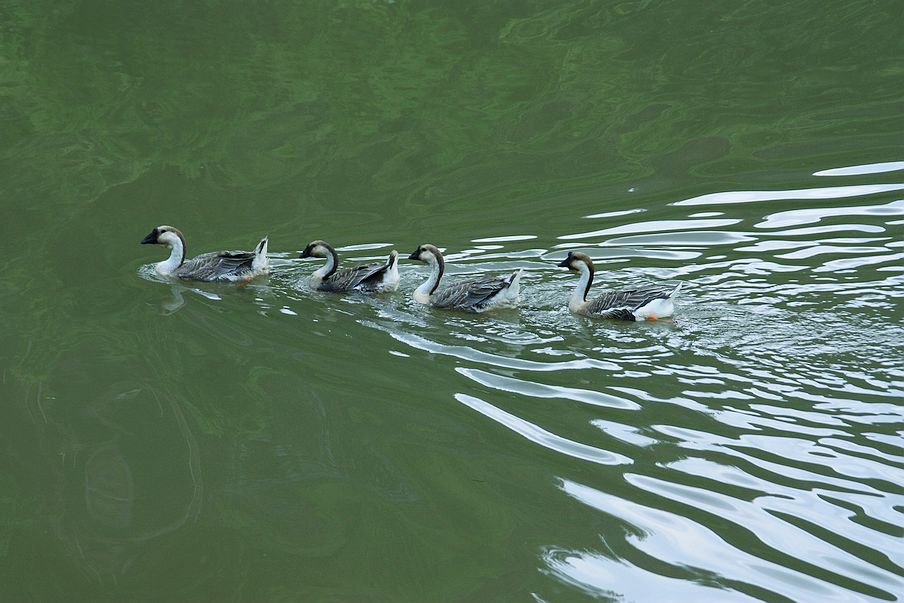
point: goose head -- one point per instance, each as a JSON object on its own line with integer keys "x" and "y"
{"x": 164, "y": 235}
{"x": 574, "y": 260}
{"x": 427, "y": 253}
{"x": 316, "y": 249}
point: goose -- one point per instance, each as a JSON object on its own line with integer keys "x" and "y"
{"x": 376, "y": 278}
{"x": 228, "y": 266}
{"x": 474, "y": 295}
{"x": 646, "y": 303}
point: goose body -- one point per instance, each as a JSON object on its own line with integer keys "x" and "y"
{"x": 223, "y": 266}
{"x": 645, "y": 303}
{"x": 376, "y": 278}
{"x": 473, "y": 295}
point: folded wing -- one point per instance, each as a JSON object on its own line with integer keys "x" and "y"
{"x": 471, "y": 295}
{"x": 364, "y": 278}
{"x": 621, "y": 304}
{"x": 218, "y": 266}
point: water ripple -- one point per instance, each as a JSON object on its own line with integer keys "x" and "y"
{"x": 682, "y": 542}
{"x": 858, "y": 170}
{"x": 761, "y": 425}
{"x": 541, "y": 436}
{"x": 806, "y": 194}
{"x": 785, "y": 427}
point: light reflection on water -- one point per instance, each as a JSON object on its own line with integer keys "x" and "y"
{"x": 857, "y": 170}
{"x": 794, "y": 322}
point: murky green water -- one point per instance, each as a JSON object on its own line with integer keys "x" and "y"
{"x": 267, "y": 443}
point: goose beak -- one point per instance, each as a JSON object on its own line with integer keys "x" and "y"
{"x": 304, "y": 254}
{"x": 150, "y": 239}
{"x": 414, "y": 255}
{"x": 564, "y": 263}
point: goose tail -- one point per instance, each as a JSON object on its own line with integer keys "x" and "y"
{"x": 261, "y": 262}
{"x": 514, "y": 282}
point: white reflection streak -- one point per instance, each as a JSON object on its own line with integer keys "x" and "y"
{"x": 867, "y": 168}
{"x": 540, "y": 436}
{"x": 809, "y": 505}
{"x": 701, "y": 440}
{"x": 540, "y": 390}
{"x": 364, "y": 247}
{"x": 467, "y": 353}
{"x": 504, "y": 239}
{"x": 852, "y": 263}
{"x": 653, "y": 226}
{"x": 615, "y": 214}
{"x": 616, "y": 578}
{"x": 679, "y": 541}
{"x": 831, "y": 192}
{"x": 797, "y": 217}
{"x": 774, "y": 532}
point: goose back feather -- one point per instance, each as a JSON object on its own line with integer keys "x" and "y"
{"x": 474, "y": 295}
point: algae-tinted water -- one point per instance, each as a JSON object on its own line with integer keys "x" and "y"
{"x": 192, "y": 442}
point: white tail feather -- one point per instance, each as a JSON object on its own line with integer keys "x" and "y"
{"x": 261, "y": 261}
{"x": 509, "y": 295}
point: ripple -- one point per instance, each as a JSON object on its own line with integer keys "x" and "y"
{"x": 652, "y": 226}
{"x": 703, "y": 238}
{"x": 603, "y": 576}
{"x": 541, "y": 436}
{"x": 538, "y": 390}
{"x": 505, "y": 239}
{"x": 615, "y": 214}
{"x": 783, "y": 537}
{"x": 681, "y": 542}
{"x": 364, "y": 247}
{"x": 859, "y": 170}
{"x": 804, "y": 194}
{"x": 761, "y": 425}
{"x": 798, "y": 217}
{"x": 469, "y": 353}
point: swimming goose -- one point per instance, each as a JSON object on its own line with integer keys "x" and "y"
{"x": 647, "y": 303}
{"x": 367, "y": 277}
{"x": 229, "y": 266}
{"x": 474, "y": 295}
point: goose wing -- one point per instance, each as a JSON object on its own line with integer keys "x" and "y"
{"x": 366, "y": 276}
{"x": 471, "y": 294}
{"x": 218, "y": 265}
{"x": 620, "y": 304}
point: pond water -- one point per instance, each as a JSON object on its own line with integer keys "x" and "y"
{"x": 191, "y": 441}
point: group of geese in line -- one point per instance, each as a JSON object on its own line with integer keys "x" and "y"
{"x": 472, "y": 295}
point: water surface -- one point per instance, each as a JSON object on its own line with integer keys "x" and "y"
{"x": 194, "y": 442}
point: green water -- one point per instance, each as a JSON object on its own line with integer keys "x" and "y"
{"x": 197, "y": 442}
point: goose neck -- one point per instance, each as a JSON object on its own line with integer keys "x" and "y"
{"x": 177, "y": 253}
{"x": 579, "y": 296}
{"x": 429, "y": 287}
{"x": 332, "y": 262}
